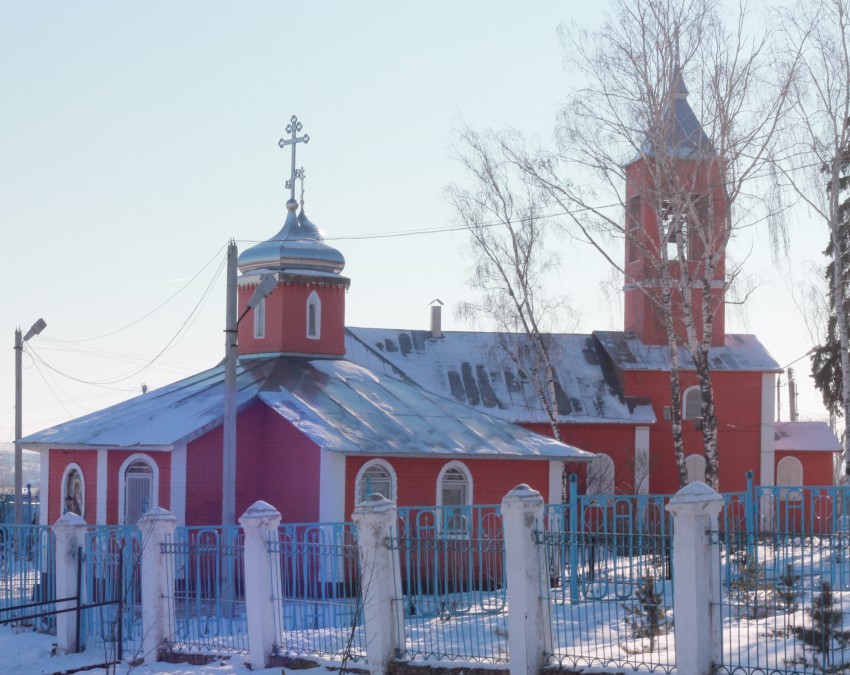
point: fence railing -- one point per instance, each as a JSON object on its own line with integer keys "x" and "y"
{"x": 784, "y": 602}
{"x": 205, "y": 570}
{"x": 111, "y": 569}
{"x": 27, "y": 568}
{"x": 316, "y": 588}
{"x": 452, "y": 571}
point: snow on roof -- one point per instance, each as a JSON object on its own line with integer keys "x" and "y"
{"x": 162, "y": 417}
{"x": 345, "y": 407}
{"x": 339, "y": 405}
{"x": 806, "y": 436}
{"x": 739, "y": 353}
{"x": 474, "y": 369}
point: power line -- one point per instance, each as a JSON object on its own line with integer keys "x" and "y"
{"x": 145, "y": 316}
{"x": 105, "y": 384}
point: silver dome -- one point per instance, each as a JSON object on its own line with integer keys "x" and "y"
{"x": 298, "y": 246}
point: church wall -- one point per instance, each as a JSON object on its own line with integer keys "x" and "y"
{"x": 417, "y": 478}
{"x": 290, "y": 471}
{"x": 275, "y": 463}
{"x": 615, "y": 440}
{"x": 286, "y": 320}
{"x": 817, "y": 466}
{"x": 114, "y": 460}
{"x": 59, "y": 461}
{"x": 738, "y": 408}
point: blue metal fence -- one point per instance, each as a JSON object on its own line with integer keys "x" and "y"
{"x": 316, "y": 587}
{"x": 27, "y": 569}
{"x": 610, "y": 580}
{"x": 453, "y": 591}
{"x": 104, "y": 579}
{"x": 205, "y": 568}
{"x": 784, "y": 605}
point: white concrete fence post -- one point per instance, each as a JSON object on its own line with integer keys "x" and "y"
{"x": 70, "y": 532}
{"x": 377, "y": 522}
{"x": 696, "y": 578}
{"x": 260, "y": 523}
{"x": 157, "y": 527}
{"x": 529, "y": 615}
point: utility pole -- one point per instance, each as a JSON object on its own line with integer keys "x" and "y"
{"x": 792, "y": 395}
{"x": 19, "y": 431}
{"x": 228, "y": 475}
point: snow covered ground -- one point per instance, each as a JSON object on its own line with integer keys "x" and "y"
{"x": 29, "y": 654}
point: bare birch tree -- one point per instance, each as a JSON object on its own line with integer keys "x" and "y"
{"x": 502, "y": 213}
{"x": 625, "y": 110}
{"x": 816, "y": 166}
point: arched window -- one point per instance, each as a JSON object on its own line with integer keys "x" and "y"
{"x": 600, "y": 475}
{"x": 74, "y": 491}
{"x": 454, "y": 494}
{"x": 695, "y": 465}
{"x": 691, "y": 403}
{"x": 260, "y": 320}
{"x": 314, "y": 316}
{"x": 376, "y": 477}
{"x": 789, "y": 474}
{"x": 138, "y": 487}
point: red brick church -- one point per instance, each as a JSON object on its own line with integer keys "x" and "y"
{"x": 328, "y": 413}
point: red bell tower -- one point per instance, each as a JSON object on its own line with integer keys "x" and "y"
{"x": 675, "y": 190}
{"x": 305, "y": 313}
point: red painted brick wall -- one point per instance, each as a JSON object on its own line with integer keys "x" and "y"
{"x": 114, "y": 460}
{"x": 286, "y": 320}
{"x": 59, "y": 461}
{"x": 417, "y": 478}
{"x": 817, "y": 466}
{"x": 274, "y": 462}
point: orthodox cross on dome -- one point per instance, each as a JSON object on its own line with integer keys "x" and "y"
{"x": 300, "y": 174}
{"x": 292, "y": 129}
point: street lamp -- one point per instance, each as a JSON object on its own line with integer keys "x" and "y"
{"x": 36, "y": 328}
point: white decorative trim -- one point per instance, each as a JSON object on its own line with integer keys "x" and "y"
{"x": 768, "y": 428}
{"x": 332, "y": 487}
{"x": 556, "y": 481}
{"x": 384, "y": 464}
{"x": 313, "y": 300}
{"x": 685, "y": 401}
{"x": 642, "y": 461}
{"x": 44, "y": 487}
{"x": 178, "y": 484}
{"x": 147, "y": 459}
{"x": 260, "y": 320}
{"x": 454, "y": 464}
{"x": 101, "y": 487}
{"x": 73, "y": 466}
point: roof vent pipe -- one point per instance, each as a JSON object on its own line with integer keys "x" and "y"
{"x": 436, "y": 318}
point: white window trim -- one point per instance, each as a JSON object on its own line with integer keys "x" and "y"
{"x": 791, "y": 493}
{"x": 358, "y": 498}
{"x": 73, "y": 466}
{"x": 313, "y": 300}
{"x": 260, "y": 320}
{"x": 454, "y": 464}
{"x": 684, "y": 401}
{"x": 147, "y": 459}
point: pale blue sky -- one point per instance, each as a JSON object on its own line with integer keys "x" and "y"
{"x": 135, "y": 139}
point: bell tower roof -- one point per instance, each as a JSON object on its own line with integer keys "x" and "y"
{"x": 679, "y": 132}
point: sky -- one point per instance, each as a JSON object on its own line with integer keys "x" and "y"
{"x": 137, "y": 139}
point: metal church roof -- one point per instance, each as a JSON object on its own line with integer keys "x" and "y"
{"x": 741, "y": 352}
{"x": 473, "y": 368}
{"x": 341, "y": 406}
